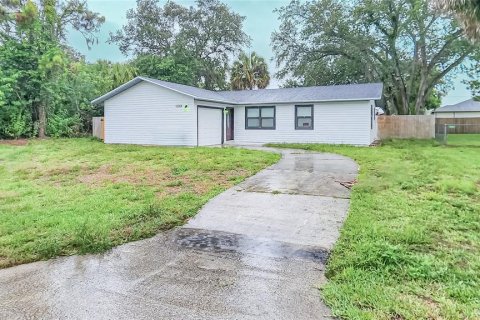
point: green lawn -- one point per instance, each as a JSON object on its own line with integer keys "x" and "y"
{"x": 410, "y": 247}
{"x": 68, "y": 196}
{"x": 467, "y": 139}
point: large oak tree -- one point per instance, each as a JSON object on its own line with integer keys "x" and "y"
{"x": 208, "y": 34}
{"x": 407, "y": 44}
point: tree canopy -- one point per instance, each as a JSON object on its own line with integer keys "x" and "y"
{"x": 411, "y": 46}
{"x": 35, "y": 60}
{"x": 207, "y": 34}
{"x": 467, "y": 12}
{"x": 171, "y": 68}
{"x": 406, "y": 44}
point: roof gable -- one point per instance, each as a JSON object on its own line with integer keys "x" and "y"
{"x": 368, "y": 91}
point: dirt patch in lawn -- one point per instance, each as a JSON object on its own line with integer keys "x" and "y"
{"x": 100, "y": 176}
{"x": 128, "y": 174}
{"x": 196, "y": 186}
{"x": 167, "y": 182}
{"x": 8, "y": 194}
{"x": 16, "y": 142}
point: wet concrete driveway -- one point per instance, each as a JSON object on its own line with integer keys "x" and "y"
{"x": 256, "y": 251}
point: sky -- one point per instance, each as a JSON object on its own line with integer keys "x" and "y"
{"x": 260, "y": 22}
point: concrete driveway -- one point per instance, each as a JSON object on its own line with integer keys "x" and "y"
{"x": 257, "y": 251}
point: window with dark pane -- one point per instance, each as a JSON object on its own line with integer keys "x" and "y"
{"x": 260, "y": 117}
{"x": 304, "y": 117}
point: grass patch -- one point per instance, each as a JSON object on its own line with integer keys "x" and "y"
{"x": 466, "y": 139}
{"x": 69, "y": 196}
{"x": 410, "y": 247}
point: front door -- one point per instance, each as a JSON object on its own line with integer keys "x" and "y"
{"x": 229, "y": 124}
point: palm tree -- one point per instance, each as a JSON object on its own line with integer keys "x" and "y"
{"x": 467, "y": 12}
{"x": 249, "y": 72}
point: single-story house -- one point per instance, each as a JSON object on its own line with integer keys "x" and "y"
{"x": 465, "y": 109}
{"x": 150, "y": 111}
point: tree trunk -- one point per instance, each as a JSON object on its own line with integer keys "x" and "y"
{"x": 404, "y": 101}
{"x": 42, "y": 120}
{"x": 401, "y": 96}
{"x": 421, "y": 94}
{"x": 420, "y": 101}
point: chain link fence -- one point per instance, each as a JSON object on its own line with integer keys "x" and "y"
{"x": 456, "y": 134}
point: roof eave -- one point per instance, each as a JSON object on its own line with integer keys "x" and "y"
{"x": 216, "y": 101}
{"x": 117, "y": 90}
{"x": 166, "y": 87}
{"x": 308, "y": 101}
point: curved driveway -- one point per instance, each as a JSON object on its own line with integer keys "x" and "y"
{"x": 301, "y": 200}
{"x": 256, "y": 251}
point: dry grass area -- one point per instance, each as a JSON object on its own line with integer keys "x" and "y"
{"x": 68, "y": 196}
{"x": 16, "y": 142}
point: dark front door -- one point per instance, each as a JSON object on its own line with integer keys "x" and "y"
{"x": 229, "y": 124}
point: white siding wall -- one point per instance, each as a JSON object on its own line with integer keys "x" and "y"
{"x": 147, "y": 114}
{"x": 334, "y": 122}
{"x": 457, "y": 115}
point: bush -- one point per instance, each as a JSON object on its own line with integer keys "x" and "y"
{"x": 16, "y": 125}
{"x": 60, "y": 125}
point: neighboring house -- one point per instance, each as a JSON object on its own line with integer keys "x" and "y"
{"x": 149, "y": 111}
{"x": 463, "y": 117}
{"x": 466, "y": 109}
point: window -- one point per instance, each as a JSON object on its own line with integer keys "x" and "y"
{"x": 260, "y": 117}
{"x": 304, "y": 117}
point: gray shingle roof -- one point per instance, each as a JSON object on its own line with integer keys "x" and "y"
{"x": 469, "y": 105}
{"x": 368, "y": 91}
{"x": 195, "y": 92}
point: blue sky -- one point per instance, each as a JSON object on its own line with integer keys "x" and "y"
{"x": 260, "y": 22}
